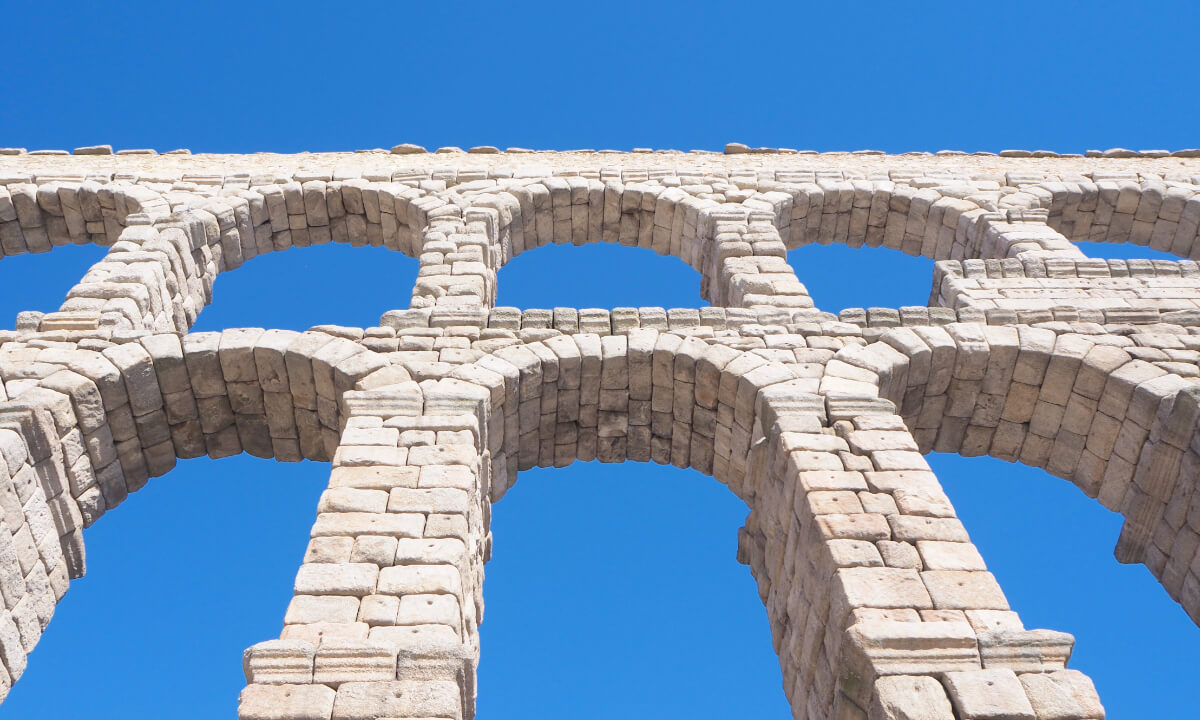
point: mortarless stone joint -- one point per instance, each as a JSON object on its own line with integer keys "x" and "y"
{"x": 880, "y": 606}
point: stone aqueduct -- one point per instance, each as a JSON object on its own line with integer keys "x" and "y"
{"x": 880, "y": 606}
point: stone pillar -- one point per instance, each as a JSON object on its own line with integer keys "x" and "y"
{"x": 387, "y": 605}
{"x": 749, "y": 262}
{"x": 457, "y": 260}
{"x": 881, "y": 607}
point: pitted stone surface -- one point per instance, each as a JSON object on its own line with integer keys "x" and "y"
{"x": 879, "y": 604}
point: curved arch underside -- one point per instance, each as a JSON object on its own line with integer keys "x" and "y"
{"x": 873, "y": 590}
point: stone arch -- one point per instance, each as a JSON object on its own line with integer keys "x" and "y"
{"x": 110, "y": 419}
{"x": 928, "y": 221}
{"x": 1109, "y": 414}
{"x": 35, "y": 217}
{"x": 160, "y": 270}
{"x": 1125, "y": 208}
{"x": 81, "y": 428}
{"x": 726, "y": 242}
{"x": 937, "y": 218}
{"x": 651, "y": 396}
{"x": 826, "y": 477}
{"x": 616, "y": 396}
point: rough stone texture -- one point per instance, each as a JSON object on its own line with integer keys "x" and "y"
{"x": 879, "y": 604}
{"x": 910, "y": 698}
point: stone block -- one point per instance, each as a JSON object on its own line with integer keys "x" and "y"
{"x": 1050, "y": 700}
{"x": 907, "y": 697}
{"x": 882, "y": 588}
{"x": 286, "y": 702}
{"x": 340, "y": 579}
{"x": 1025, "y": 650}
{"x": 398, "y": 699}
{"x": 343, "y": 661}
{"x": 964, "y": 590}
{"x": 938, "y": 555}
{"x": 988, "y": 695}
{"x": 420, "y": 579}
{"x": 279, "y": 662}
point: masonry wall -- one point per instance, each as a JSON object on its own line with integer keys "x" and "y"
{"x": 879, "y": 604}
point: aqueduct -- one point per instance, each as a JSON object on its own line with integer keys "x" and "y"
{"x": 880, "y": 606}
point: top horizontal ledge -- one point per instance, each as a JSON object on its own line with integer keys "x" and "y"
{"x": 384, "y": 165}
{"x": 733, "y": 148}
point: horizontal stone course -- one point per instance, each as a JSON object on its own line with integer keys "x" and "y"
{"x": 879, "y": 604}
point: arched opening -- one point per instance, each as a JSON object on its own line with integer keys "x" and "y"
{"x": 323, "y": 284}
{"x": 1124, "y": 251}
{"x": 40, "y": 282}
{"x": 1058, "y": 573}
{"x": 610, "y": 587}
{"x": 1060, "y": 569}
{"x": 839, "y": 276}
{"x": 1158, "y": 214}
{"x": 196, "y": 570}
{"x": 599, "y": 275}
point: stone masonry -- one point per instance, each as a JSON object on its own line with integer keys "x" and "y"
{"x": 880, "y": 606}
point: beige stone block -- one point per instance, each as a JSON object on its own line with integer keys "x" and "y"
{"x": 899, "y": 554}
{"x": 379, "y": 609}
{"x": 428, "y": 500}
{"x": 815, "y": 480}
{"x": 444, "y": 455}
{"x": 913, "y": 528}
{"x": 1050, "y": 700}
{"x": 992, "y": 620}
{"x": 375, "y": 549}
{"x": 320, "y": 631}
{"x": 854, "y": 553}
{"x": 938, "y": 555}
{"x": 379, "y": 477}
{"x": 1082, "y": 690}
{"x": 401, "y": 699}
{"x": 333, "y": 549}
{"x": 342, "y": 661}
{"x": 431, "y": 551}
{"x": 888, "y": 647}
{"x": 854, "y": 527}
{"x": 964, "y": 590}
{"x": 335, "y": 500}
{"x": 277, "y": 662}
{"x": 907, "y": 697}
{"x": 321, "y": 608}
{"x": 880, "y": 503}
{"x": 892, "y": 460}
{"x": 429, "y": 610}
{"x": 1025, "y": 650}
{"x": 399, "y": 525}
{"x": 336, "y": 579}
{"x": 420, "y": 579}
{"x": 833, "y": 502}
{"x": 923, "y": 502}
{"x": 882, "y": 588}
{"x": 417, "y": 640}
{"x": 988, "y": 695}
{"x": 285, "y": 702}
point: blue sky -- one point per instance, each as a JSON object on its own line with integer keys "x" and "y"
{"x": 613, "y": 590}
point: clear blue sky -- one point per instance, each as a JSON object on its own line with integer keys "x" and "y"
{"x": 613, "y": 591}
